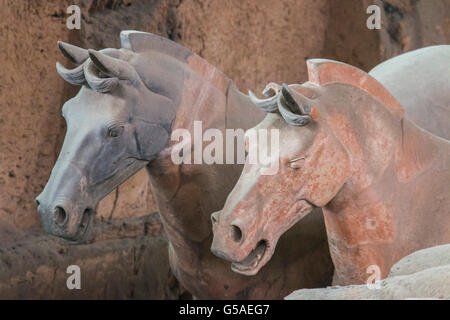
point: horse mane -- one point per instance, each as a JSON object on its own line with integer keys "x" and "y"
{"x": 322, "y": 72}
{"x": 139, "y": 42}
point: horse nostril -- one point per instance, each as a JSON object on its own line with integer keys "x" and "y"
{"x": 215, "y": 217}
{"x": 60, "y": 215}
{"x": 235, "y": 233}
{"x": 37, "y": 202}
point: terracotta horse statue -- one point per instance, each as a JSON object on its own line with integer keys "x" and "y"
{"x": 121, "y": 120}
{"x": 347, "y": 147}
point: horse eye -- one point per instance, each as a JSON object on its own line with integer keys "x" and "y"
{"x": 115, "y": 131}
{"x": 296, "y": 163}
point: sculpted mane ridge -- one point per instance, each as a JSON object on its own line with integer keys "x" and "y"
{"x": 322, "y": 72}
{"x": 140, "y": 42}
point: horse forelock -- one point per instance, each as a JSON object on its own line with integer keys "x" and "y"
{"x": 282, "y": 102}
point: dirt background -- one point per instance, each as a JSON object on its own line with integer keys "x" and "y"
{"x": 252, "y": 41}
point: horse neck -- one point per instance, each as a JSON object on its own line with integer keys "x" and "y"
{"x": 410, "y": 152}
{"x": 386, "y": 144}
{"x": 418, "y": 151}
{"x": 210, "y": 97}
{"x": 203, "y": 97}
{"x": 367, "y": 130}
{"x": 390, "y": 158}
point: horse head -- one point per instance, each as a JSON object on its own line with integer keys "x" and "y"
{"x": 118, "y": 122}
{"x": 337, "y": 129}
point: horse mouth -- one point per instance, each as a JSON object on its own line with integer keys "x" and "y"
{"x": 84, "y": 229}
{"x": 251, "y": 264}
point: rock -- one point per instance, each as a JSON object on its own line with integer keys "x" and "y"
{"x": 424, "y": 274}
{"x": 422, "y": 260}
{"x": 129, "y": 259}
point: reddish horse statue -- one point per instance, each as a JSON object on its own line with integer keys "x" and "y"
{"x": 347, "y": 147}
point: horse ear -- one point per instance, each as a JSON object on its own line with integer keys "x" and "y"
{"x": 322, "y": 72}
{"x": 74, "y": 76}
{"x": 75, "y": 54}
{"x": 307, "y": 93}
{"x": 113, "y": 67}
{"x": 78, "y": 56}
{"x": 294, "y": 111}
{"x": 304, "y": 95}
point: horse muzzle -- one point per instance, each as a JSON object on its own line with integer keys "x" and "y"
{"x": 65, "y": 220}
